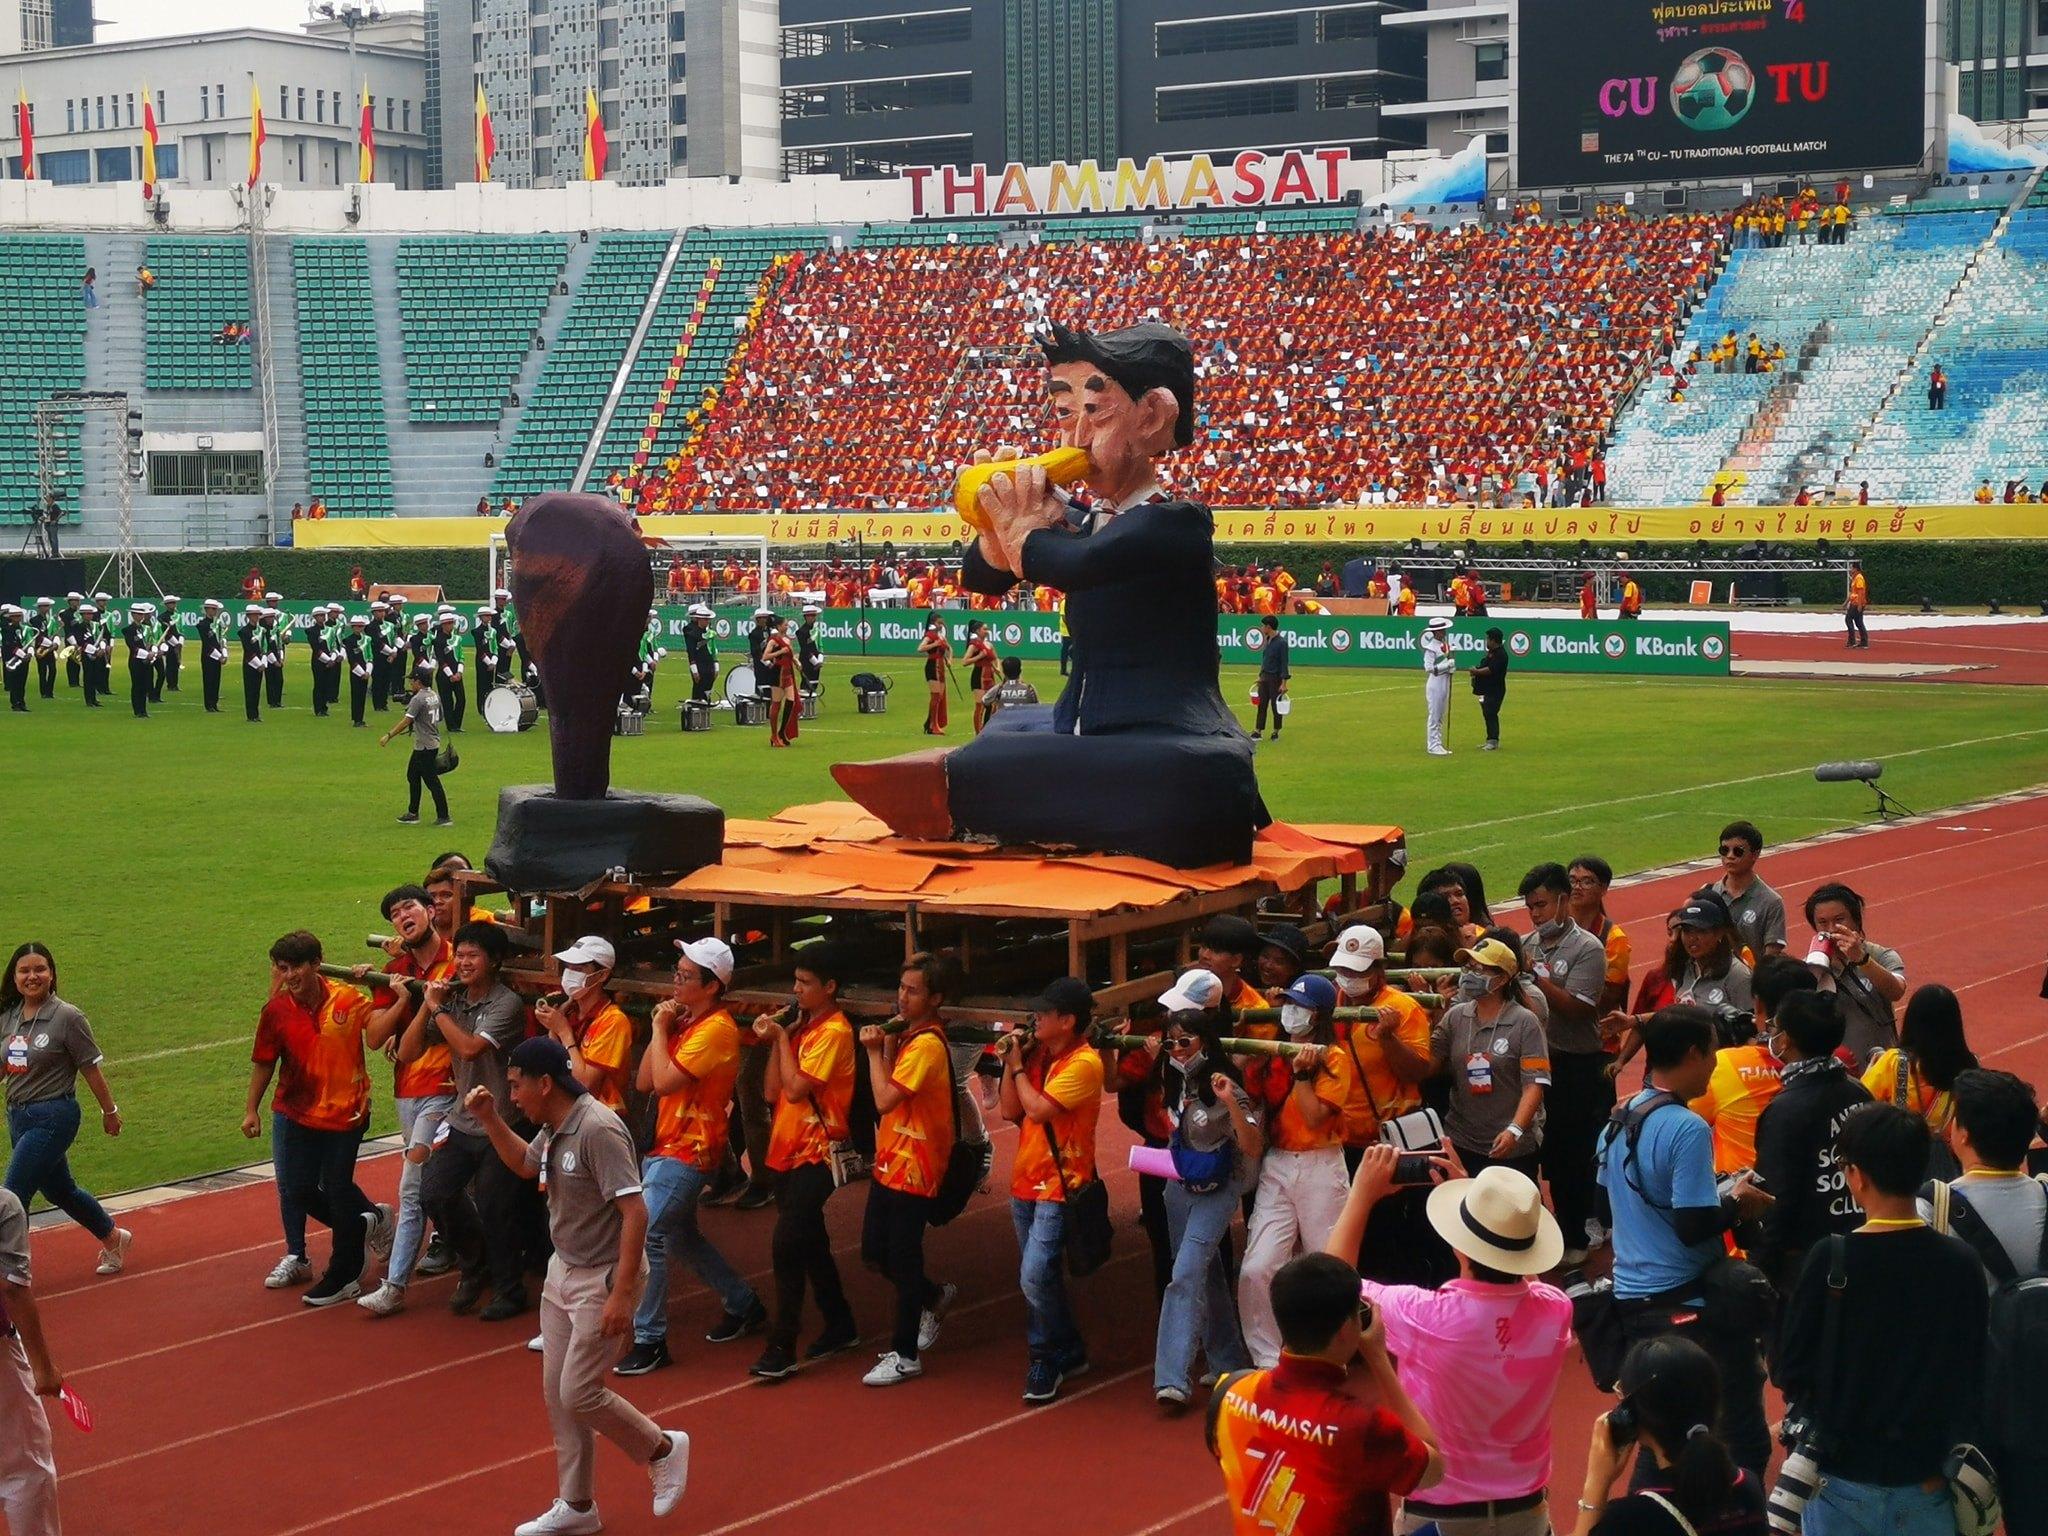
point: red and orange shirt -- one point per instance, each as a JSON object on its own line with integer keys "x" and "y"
{"x": 606, "y": 1040}
{"x": 433, "y": 1073}
{"x": 323, "y": 1081}
{"x": 804, "y": 1129}
{"x": 915, "y": 1139}
{"x": 1303, "y": 1457}
{"x": 1376, "y": 1093}
{"x": 1332, "y": 1082}
{"x": 690, "y": 1124}
{"x": 1074, "y": 1083}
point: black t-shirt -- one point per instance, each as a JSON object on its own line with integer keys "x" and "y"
{"x": 1638, "y": 1515}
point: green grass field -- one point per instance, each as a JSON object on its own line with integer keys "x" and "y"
{"x": 158, "y": 859}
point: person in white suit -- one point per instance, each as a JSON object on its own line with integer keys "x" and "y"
{"x": 1438, "y": 665}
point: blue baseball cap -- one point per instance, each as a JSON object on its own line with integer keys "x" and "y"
{"x": 1317, "y": 992}
{"x": 543, "y": 1056}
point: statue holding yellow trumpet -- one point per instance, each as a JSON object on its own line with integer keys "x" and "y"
{"x": 1140, "y": 754}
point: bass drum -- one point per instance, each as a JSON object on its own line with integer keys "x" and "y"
{"x": 739, "y": 684}
{"x": 510, "y": 708}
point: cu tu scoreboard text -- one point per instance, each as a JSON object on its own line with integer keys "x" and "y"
{"x": 1664, "y": 90}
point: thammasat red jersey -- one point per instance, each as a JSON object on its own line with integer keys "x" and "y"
{"x": 1302, "y": 1457}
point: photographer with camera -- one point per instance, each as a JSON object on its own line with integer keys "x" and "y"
{"x": 1882, "y": 1349}
{"x": 1670, "y": 1398}
{"x": 1482, "y": 1356}
{"x": 1671, "y": 1268}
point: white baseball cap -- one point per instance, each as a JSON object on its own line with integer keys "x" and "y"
{"x": 713, "y": 955}
{"x": 590, "y": 950}
{"x": 1194, "y": 992}
{"x": 1359, "y": 949}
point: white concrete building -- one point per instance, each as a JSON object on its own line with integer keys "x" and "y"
{"x": 87, "y": 107}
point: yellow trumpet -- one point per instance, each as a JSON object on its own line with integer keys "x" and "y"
{"x": 1062, "y": 466}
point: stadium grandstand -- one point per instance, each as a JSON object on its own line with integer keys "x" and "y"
{"x": 1347, "y": 358}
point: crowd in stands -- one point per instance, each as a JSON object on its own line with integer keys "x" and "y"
{"x": 1407, "y": 365}
{"x": 1764, "y": 223}
{"x": 1813, "y": 1183}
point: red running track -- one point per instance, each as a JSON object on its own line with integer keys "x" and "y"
{"x": 1973, "y": 653}
{"x": 232, "y": 1410}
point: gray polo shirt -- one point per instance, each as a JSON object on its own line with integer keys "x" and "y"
{"x": 1759, "y": 914}
{"x": 1869, "y": 1022}
{"x": 13, "y": 1240}
{"x": 500, "y": 1018}
{"x": 1727, "y": 991}
{"x": 424, "y": 711}
{"x": 587, "y": 1162}
{"x": 1516, "y": 1054}
{"x": 1576, "y": 963}
{"x": 44, "y": 1054}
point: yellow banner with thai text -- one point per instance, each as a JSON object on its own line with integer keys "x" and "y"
{"x": 1372, "y": 526}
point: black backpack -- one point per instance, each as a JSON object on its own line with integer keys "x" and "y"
{"x": 2016, "y": 1341}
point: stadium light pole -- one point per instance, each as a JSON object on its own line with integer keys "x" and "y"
{"x": 351, "y": 14}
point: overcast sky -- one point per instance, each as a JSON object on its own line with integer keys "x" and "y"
{"x": 124, "y": 20}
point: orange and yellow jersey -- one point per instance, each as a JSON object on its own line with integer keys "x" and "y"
{"x": 433, "y": 1073}
{"x": 1745, "y": 1080}
{"x": 690, "y": 1125}
{"x": 915, "y": 1138}
{"x": 1377, "y": 1094}
{"x": 1074, "y": 1083}
{"x": 323, "y": 1081}
{"x": 607, "y": 1041}
{"x": 1291, "y": 1131}
{"x": 1893, "y": 1077}
{"x": 1859, "y": 591}
{"x": 804, "y": 1129}
{"x": 1406, "y": 602}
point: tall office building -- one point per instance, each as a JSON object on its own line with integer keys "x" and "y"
{"x": 959, "y": 82}
{"x": 686, "y": 87}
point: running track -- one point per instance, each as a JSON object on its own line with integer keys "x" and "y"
{"x": 230, "y": 1409}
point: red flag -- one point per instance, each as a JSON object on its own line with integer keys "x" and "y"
{"x": 595, "y": 146}
{"x": 24, "y": 124}
{"x": 256, "y": 133}
{"x": 366, "y": 148}
{"x": 486, "y": 136}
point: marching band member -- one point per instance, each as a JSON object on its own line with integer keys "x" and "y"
{"x": 649, "y": 657}
{"x": 14, "y": 652}
{"x": 141, "y": 658}
{"x": 72, "y": 621}
{"x": 355, "y": 654}
{"x": 319, "y": 643}
{"x": 419, "y": 651}
{"x": 810, "y": 656}
{"x": 171, "y": 649}
{"x": 508, "y": 617}
{"x": 213, "y": 650}
{"x": 92, "y": 650}
{"x": 448, "y": 682}
{"x": 255, "y": 659}
{"x": 703, "y": 658}
{"x": 47, "y": 635}
{"x": 276, "y": 636}
{"x": 384, "y": 652}
{"x": 488, "y": 642}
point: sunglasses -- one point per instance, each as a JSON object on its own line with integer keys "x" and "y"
{"x": 1736, "y": 849}
{"x": 1179, "y": 1042}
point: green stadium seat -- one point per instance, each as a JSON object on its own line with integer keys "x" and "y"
{"x": 348, "y": 455}
{"x": 202, "y": 284}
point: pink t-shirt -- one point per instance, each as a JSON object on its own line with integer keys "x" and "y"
{"x": 1482, "y": 1363}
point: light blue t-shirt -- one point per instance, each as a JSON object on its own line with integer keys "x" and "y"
{"x": 1673, "y": 1166}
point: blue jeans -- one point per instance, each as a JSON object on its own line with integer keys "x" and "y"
{"x": 316, "y": 1177}
{"x": 1842, "y": 1508}
{"x": 418, "y": 1119}
{"x": 671, "y": 1189}
{"x": 1197, "y": 1310}
{"x": 42, "y": 1134}
{"x": 1041, "y": 1227}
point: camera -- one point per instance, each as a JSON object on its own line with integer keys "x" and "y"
{"x": 1624, "y": 1423}
{"x": 1797, "y": 1478}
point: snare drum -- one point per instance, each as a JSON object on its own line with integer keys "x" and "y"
{"x": 739, "y": 684}
{"x": 511, "y": 707}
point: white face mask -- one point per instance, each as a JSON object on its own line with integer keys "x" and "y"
{"x": 574, "y": 982}
{"x": 1297, "y": 1020}
{"x": 1353, "y": 985}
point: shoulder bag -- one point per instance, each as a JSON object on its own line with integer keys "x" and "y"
{"x": 1086, "y": 1234}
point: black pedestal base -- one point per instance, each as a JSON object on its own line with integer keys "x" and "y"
{"x": 545, "y": 843}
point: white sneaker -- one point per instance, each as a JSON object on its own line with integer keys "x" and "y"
{"x": 1439, "y": 751}
{"x": 892, "y": 1370}
{"x": 671, "y": 1474}
{"x": 291, "y": 1270}
{"x": 384, "y": 1301}
{"x": 561, "y": 1520}
{"x": 537, "y": 1343}
{"x": 928, "y": 1321}
{"x": 381, "y": 1230}
{"x": 115, "y": 1254}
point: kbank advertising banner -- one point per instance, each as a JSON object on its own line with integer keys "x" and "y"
{"x": 1673, "y": 648}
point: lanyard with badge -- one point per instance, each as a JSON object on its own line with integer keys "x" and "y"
{"x": 547, "y": 1147}
{"x": 17, "y": 1053}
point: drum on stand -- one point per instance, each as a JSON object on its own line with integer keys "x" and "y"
{"x": 511, "y": 707}
{"x": 695, "y": 714}
{"x": 739, "y": 684}
{"x": 807, "y": 707}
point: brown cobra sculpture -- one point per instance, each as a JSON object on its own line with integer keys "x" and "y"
{"x": 582, "y": 586}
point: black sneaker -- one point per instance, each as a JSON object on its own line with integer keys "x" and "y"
{"x": 332, "y": 1290}
{"x": 503, "y": 1305}
{"x": 734, "y": 1324}
{"x": 1041, "y": 1382}
{"x": 833, "y": 1341}
{"x": 409, "y": 817}
{"x": 642, "y": 1358}
{"x": 469, "y": 1290}
{"x": 1074, "y": 1365}
{"x": 774, "y": 1365}
{"x": 445, "y": 821}
{"x": 753, "y": 1197}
